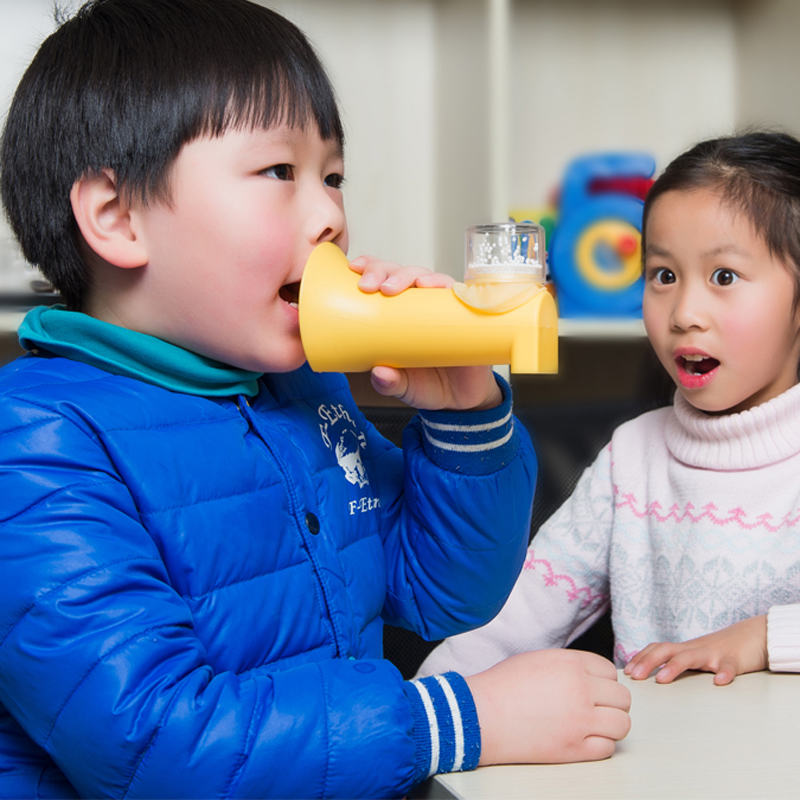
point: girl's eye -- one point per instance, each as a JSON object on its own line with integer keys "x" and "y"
{"x": 724, "y": 277}
{"x": 335, "y": 180}
{"x": 662, "y": 275}
{"x": 283, "y": 172}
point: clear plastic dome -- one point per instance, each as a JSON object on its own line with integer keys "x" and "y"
{"x": 507, "y": 252}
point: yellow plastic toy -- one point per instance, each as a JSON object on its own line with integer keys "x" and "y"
{"x": 491, "y": 318}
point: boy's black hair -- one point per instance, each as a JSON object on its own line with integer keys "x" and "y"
{"x": 758, "y": 174}
{"x": 123, "y": 85}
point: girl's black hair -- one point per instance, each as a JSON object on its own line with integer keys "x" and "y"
{"x": 123, "y": 85}
{"x": 757, "y": 174}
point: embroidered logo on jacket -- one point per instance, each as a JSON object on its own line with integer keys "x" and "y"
{"x": 348, "y": 457}
{"x": 349, "y": 442}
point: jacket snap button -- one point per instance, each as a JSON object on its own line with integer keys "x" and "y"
{"x": 364, "y": 668}
{"x": 312, "y": 523}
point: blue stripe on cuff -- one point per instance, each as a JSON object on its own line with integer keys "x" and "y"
{"x": 446, "y": 731}
{"x": 472, "y": 442}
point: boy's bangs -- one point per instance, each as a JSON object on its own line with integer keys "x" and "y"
{"x": 271, "y": 99}
{"x": 207, "y": 67}
{"x": 257, "y": 73}
{"x": 123, "y": 85}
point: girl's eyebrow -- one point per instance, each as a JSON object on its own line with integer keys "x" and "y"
{"x": 725, "y": 249}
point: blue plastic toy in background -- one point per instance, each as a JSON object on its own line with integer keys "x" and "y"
{"x": 595, "y": 252}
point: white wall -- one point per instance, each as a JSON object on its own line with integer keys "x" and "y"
{"x": 462, "y": 128}
{"x": 616, "y": 76}
{"x": 381, "y": 59}
{"x": 769, "y": 64}
{"x": 412, "y": 79}
{"x": 586, "y": 75}
{"x": 23, "y": 26}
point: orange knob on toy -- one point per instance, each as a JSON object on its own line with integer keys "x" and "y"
{"x": 627, "y": 245}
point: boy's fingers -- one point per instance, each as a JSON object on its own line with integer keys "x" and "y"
{"x": 388, "y": 381}
{"x": 598, "y": 666}
{"x": 363, "y": 263}
{"x": 596, "y": 748}
{"x": 390, "y": 278}
{"x": 358, "y": 264}
{"x": 611, "y": 694}
{"x": 375, "y": 271}
{"x": 373, "y": 274}
{"x": 398, "y": 280}
{"x": 612, "y": 723}
{"x": 435, "y": 280}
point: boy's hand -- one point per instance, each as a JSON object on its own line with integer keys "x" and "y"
{"x": 391, "y": 279}
{"x": 550, "y": 707}
{"x": 732, "y": 651}
{"x": 455, "y": 388}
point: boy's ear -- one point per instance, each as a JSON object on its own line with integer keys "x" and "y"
{"x": 106, "y": 220}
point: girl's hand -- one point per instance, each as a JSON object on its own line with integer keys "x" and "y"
{"x": 456, "y": 388}
{"x": 732, "y": 651}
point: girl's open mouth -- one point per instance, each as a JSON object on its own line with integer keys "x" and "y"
{"x": 290, "y": 293}
{"x": 695, "y": 370}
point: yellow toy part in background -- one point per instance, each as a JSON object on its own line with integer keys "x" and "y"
{"x": 346, "y": 330}
{"x": 619, "y": 237}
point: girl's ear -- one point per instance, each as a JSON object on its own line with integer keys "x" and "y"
{"x": 107, "y": 222}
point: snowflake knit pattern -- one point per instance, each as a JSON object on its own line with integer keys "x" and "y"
{"x": 685, "y": 523}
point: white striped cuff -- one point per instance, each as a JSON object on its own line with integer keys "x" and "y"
{"x": 446, "y": 730}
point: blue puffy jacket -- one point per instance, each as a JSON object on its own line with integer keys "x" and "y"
{"x": 192, "y": 589}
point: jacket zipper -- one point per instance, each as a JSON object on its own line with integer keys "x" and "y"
{"x": 293, "y": 507}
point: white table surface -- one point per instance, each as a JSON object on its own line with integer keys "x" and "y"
{"x": 689, "y": 739}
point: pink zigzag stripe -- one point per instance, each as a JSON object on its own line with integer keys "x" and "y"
{"x": 551, "y": 579}
{"x": 709, "y": 512}
{"x": 623, "y": 655}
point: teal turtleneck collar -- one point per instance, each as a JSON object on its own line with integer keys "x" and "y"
{"x": 120, "y": 351}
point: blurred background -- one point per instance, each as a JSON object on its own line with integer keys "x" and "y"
{"x": 458, "y": 111}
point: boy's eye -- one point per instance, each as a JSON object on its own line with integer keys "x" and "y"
{"x": 283, "y": 172}
{"x": 662, "y": 275}
{"x": 335, "y": 180}
{"x": 724, "y": 277}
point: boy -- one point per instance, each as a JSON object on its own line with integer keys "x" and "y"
{"x": 193, "y": 588}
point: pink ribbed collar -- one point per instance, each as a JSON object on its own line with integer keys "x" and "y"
{"x": 754, "y": 438}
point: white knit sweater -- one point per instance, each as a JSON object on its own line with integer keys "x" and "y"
{"x": 686, "y": 523}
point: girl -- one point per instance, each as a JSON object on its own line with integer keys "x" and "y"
{"x": 688, "y": 522}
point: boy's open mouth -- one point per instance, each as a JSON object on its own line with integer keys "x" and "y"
{"x": 290, "y": 293}
{"x": 696, "y": 364}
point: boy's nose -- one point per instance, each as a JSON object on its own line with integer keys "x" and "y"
{"x": 327, "y": 222}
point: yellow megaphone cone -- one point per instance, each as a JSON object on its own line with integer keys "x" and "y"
{"x": 346, "y": 330}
